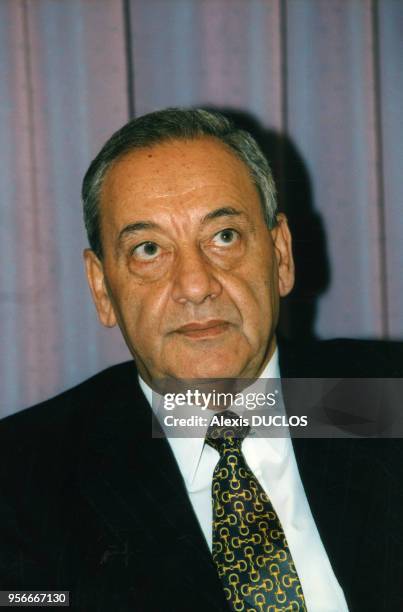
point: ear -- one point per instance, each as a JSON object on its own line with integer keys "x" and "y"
{"x": 99, "y": 291}
{"x": 283, "y": 251}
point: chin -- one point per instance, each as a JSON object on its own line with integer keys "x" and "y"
{"x": 208, "y": 369}
{"x": 212, "y": 359}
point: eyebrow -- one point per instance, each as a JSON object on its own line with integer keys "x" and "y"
{"x": 133, "y": 228}
{"x": 225, "y": 211}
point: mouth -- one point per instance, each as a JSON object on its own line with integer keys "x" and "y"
{"x": 206, "y": 329}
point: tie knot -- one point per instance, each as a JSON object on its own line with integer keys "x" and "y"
{"x": 226, "y": 432}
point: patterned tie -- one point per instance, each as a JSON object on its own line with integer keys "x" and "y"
{"x": 249, "y": 546}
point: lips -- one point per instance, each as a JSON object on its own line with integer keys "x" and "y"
{"x": 199, "y": 329}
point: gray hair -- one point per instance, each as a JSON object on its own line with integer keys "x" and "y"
{"x": 174, "y": 124}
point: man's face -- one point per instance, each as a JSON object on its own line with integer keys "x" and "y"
{"x": 190, "y": 271}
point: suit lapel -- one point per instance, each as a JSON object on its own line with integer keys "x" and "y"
{"x": 143, "y": 511}
{"x": 348, "y": 486}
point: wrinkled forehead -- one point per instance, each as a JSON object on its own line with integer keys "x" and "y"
{"x": 176, "y": 169}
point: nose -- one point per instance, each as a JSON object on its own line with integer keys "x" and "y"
{"x": 194, "y": 279}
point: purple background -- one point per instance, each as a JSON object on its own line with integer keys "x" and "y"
{"x": 327, "y": 73}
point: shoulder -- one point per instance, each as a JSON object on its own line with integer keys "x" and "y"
{"x": 53, "y": 428}
{"x": 342, "y": 358}
{"x": 108, "y": 385}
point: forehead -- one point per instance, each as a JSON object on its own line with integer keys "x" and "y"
{"x": 171, "y": 176}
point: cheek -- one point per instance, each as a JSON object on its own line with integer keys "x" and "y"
{"x": 144, "y": 310}
{"x": 252, "y": 296}
{"x": 255, "y": 292}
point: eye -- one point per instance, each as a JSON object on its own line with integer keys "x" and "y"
{"x": 147, "y": 251}
{"x": 226, "y": 237}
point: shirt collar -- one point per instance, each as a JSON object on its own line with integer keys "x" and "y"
{"x": 188, "y": 451}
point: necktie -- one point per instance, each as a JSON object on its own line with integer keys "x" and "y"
{"x": 249, "y": 546}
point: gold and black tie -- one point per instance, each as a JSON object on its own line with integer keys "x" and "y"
{"x": 249, "y": 546}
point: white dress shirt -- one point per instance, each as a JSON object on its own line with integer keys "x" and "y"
{"x": 272, "y": 461}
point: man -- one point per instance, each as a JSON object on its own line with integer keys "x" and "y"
{"x": 190, "y": 258}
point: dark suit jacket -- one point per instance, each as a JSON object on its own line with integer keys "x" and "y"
{"x": 90, "y": 503}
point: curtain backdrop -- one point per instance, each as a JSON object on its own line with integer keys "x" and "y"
{"x": 320, "y": 82}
